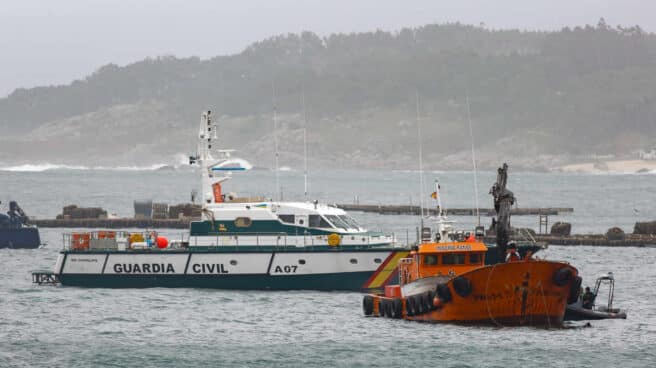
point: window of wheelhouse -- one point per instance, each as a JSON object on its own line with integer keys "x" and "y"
{"x": 430, "y": 259}
{"x": 337, "y": 222}
{"x": 318, "y": 221}
{"x": 350, "y": 221}
{"x": 475, "y": 258}
{"x": 453, "y": 258}
{"x": 289, "y": 219}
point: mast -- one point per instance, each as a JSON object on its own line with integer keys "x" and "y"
{"x": 207, "y": 134}
{"x": 213, "y": 170}
{"x": 438, "y": 198}
{"x": 275, "y": 140}
{"x": 443, "y": 224}
{"x": 473, "y": 151}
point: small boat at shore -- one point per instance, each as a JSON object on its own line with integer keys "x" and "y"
{"x": 15, "y": 231}
{"x": 447, "y": 281}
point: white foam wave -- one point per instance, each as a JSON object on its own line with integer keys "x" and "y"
{"x": 41, "y": 167}
{"x": 51, "y": 167}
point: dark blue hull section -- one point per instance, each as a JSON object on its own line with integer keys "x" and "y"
{"x": 352, "y": 281}
{"x": 20, "y": 238}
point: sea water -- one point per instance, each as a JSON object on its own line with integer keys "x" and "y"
{"x": 76, "y": 327}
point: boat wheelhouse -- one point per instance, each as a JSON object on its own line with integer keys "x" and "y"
{"x": 297, "y": 224}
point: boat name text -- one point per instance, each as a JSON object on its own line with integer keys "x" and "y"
{"x": 144, "y": 268}
{"x": 213, "y": 268}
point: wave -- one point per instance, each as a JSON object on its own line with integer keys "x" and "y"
{"x": 53, "y": 167}
{"x": 41, "y": 167}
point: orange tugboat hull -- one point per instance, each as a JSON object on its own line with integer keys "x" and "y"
{"x": 517, "y": 293}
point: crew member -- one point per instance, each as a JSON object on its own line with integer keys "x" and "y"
{"x": 587, "y": 299}
{"x": 511, "y": 253}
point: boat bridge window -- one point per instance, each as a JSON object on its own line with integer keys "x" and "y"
{"x": 337, "y": 222}
{"x": 243, "y": 222}
{"x": 475, "y": 258}
{"x": 318, "y": 221}
{"x": 453, "y": 258}
{"x": 287, "y": 218}
{"x": 430, "y": 259}
{"x": 350, "y": 221}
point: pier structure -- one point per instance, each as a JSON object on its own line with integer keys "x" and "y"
{"x": 392, "y": 209}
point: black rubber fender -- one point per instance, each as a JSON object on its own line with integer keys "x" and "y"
{"x": 368, "y": 305}
{"x": 443, "y": 292}
{"x": 388, "y": 309}
{"x": 382, "y": 307}
{"x": 562, "y": 276}
{"x": 423, "y": 300}
{"x": 419, "y": 306}
{"x": 575, "y": 290}
{"x": 430, "y": 295}
{"x": 397, "y": 308}
{"x": 410, "y": 306}
{"x": 462, "y": 286}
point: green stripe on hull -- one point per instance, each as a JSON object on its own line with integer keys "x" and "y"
{"x": 352, "y": 281}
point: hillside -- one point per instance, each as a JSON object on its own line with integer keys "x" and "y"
{"x": 538, "y": 98}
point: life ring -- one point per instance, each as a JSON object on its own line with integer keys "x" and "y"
{"x": 397, "y": 308}
{"x": 443, "y": 292}
{"x": 562, "y": 276}
{"x": 368, "y": 305}
{"x": 575, "y": 290}
{"x": 462, "y": 286}
{"x": 334, "y": 239}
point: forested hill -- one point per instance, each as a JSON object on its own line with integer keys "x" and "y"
{"x": 580, "y": 90}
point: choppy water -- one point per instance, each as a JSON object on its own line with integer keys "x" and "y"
{"x": 71, "y": 327}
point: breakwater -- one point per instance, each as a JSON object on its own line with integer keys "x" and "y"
{"x": 120, "y": 223}
{"x": 415, "y": 210}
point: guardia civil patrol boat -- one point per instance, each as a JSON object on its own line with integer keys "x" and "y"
{"x": 240, "y": 243}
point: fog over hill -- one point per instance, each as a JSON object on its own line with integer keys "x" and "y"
{"x": 538, "y": 99}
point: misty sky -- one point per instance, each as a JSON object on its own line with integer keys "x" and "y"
{"x": 54, "y": 42}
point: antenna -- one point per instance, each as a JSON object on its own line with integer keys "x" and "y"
{"x": 275, "y": 138}
{"x": 305, "y": 156}
{"x": 421, "y": 160}
{"x": 473, "y": 151}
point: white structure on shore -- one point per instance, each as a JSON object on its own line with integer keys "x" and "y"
{"x": 647, "y": 155}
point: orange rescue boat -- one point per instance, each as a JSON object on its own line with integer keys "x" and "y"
{"x": 448, "y": 281}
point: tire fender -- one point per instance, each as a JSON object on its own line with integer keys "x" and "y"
{"x": 462, "y": 286}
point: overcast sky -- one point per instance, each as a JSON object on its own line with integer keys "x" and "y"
{"x": 56, "y": 41}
